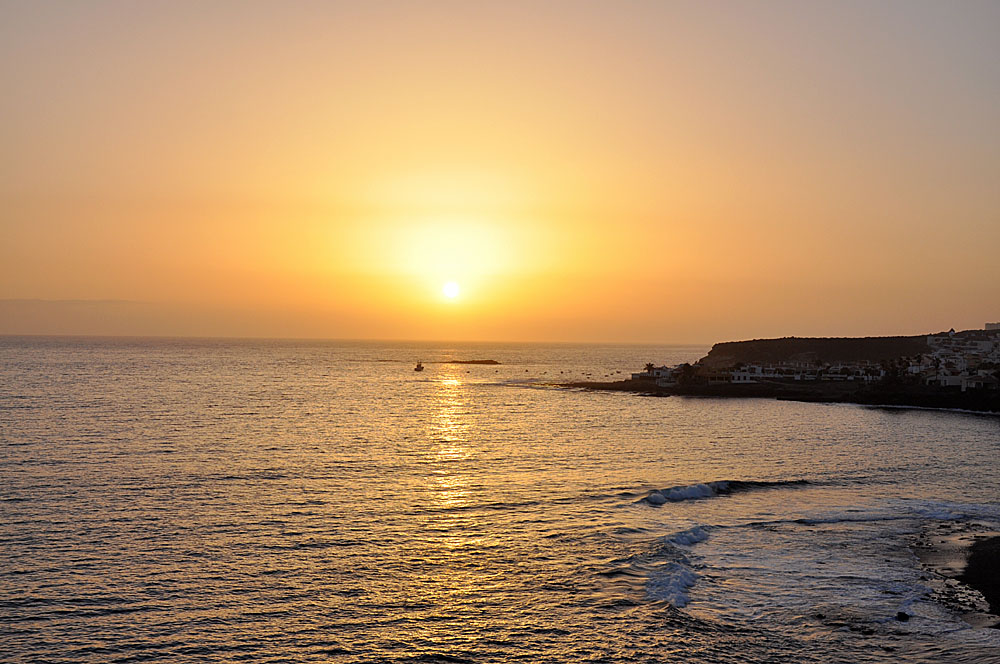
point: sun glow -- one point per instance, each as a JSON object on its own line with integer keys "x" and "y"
{"x": 450, "y": 290}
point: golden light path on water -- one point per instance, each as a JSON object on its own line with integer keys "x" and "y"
{"x": 450, "y": 432}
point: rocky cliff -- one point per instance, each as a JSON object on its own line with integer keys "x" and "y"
{"x": 814, "y": 350}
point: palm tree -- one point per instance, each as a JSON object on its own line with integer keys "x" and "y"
{"x": 649, "y": 367}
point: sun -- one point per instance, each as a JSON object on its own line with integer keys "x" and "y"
{"x": 450, "y": 290}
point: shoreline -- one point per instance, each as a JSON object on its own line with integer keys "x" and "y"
{"x": 982, "y": 571}
{"x": 844, "y": 393}
{"x": 963, "y": 560}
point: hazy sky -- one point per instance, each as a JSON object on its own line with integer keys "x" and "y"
{"x": 629, "y": 171}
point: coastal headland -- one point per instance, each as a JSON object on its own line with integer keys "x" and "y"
{"x": 952, "y": 370}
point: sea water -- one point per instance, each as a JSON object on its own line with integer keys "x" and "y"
{"x": 180, "y": 500}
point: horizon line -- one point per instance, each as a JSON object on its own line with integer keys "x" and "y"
{"x": 346, "y": 339}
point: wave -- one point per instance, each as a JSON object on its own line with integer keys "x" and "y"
{"x": 688, "y": 537}
{"x": 662, "y": 570}
{"x": 671, "y": 584}
{"x": 712, "y": 489}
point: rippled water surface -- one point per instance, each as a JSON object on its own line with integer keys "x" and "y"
{"x": 180, "y": 500}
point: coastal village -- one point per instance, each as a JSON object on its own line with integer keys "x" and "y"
{"x": 957, "y": 361}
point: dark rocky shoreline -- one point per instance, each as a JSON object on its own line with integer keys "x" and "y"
{"x": 982, "y": 572}
{"x": 963, "y": 564}
{"x": 825, "y": 392}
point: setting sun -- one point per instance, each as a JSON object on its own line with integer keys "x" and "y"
{"x": 450, "y": 290}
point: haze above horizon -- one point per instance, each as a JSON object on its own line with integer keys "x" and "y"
{"x": 573, "y": 171}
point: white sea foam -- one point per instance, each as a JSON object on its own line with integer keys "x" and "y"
{"x": 656, "y": 498}
{"x": 689, "y": 492}
{"x": 689, "y": 537}
{"x": 671, "y": 576}
{"x": 711, "y": 489}
{"x": 671, "y": 583}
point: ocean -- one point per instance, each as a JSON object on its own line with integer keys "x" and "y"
{"x": 178, "y": 500}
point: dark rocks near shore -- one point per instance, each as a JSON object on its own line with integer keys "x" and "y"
{"x": 962, "y": 563}
{"x": 982, "y": 571}
{"x": 818, "y": 392}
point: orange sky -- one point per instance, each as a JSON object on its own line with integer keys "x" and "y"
{"x": 585, "y": 171}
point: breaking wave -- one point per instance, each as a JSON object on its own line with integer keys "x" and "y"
{"x": 663, "y": 569}
{"x": 712, "y": 489}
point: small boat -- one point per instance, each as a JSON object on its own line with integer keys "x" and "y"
{"x": 419, "y": 367}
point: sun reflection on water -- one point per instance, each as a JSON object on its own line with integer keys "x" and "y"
{"x": 449, "y": 432}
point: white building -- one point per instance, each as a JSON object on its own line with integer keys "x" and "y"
{"x": 658, "y": 374}
{"x": 979, "y": 382}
